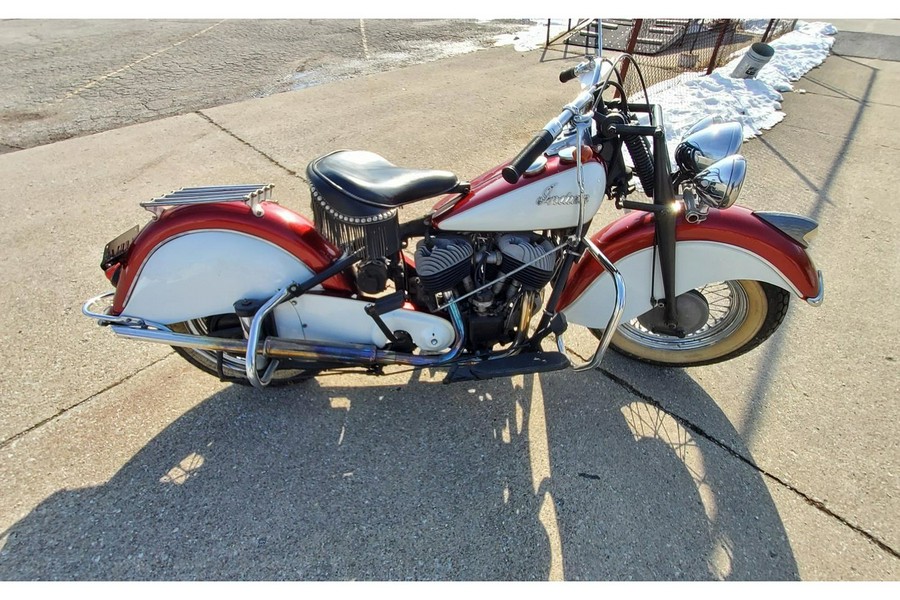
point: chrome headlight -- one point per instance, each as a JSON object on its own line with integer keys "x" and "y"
{"x": 702, "y": 124}
{"x": 708, "y": 145}
{"x": 720, "y": 184}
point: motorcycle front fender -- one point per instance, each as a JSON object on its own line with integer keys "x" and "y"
{"x": 196, "y": 261}
{"x": 730, "y": 244}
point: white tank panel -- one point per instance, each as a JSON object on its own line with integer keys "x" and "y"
{"x": 548, "y": 203}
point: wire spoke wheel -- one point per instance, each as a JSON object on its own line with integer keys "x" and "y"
{"x": 233, "y": 366}
{"x": 229, "y": 361}
{"x": 723, "y": 320}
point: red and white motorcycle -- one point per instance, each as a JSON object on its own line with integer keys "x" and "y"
{"x": 250, "y": 291}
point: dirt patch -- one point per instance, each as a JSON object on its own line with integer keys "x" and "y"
{"x": 17, "y": 116}
{"x": 5, "y": 148}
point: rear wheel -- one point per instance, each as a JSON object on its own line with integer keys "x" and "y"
{"x": 723, "y": 320}
{"x": 233, "y": 366}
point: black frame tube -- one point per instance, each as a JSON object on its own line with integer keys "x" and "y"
{"x": 664, "y": 208}
{"x": 298, "y": 289}
{"x": 543, "y": 328}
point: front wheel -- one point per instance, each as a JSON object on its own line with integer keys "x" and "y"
{"x": 722, "y": 320}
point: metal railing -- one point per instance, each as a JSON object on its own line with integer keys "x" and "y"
{"x": 666, "y": 48}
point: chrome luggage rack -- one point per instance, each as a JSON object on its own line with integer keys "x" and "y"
{"x": 250, "y": 194}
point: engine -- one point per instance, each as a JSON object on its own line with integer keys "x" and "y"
{"x": 509, "y": 270}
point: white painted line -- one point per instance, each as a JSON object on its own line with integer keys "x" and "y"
{"x": 365, "y": 42}
{"x": 93, "y": 83}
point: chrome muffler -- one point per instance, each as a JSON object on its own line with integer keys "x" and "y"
{"x": 274, "y": 349}
{"x": 280, "y": 348}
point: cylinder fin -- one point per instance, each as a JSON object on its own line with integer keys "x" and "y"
{"x": 443, "y": 262}
{"x": 519, "y": 249}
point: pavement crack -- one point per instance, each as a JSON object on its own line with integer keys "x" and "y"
{"x": 695, "y": 429}
{"x": 269, "y": 158}
{"x": 102, "y": 78}
{"x": 39, "y": 424}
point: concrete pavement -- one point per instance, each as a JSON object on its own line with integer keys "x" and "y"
{"x": 868, "y": 38}
{"x": 122, "y": 461}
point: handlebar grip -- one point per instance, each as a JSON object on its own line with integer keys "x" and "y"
{"x": 514, "y": 170}
{"x": 568, "y": 75}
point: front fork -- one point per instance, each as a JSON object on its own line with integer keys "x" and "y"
{"x": 665, "y": 211}
{"x": 665, "y": 222}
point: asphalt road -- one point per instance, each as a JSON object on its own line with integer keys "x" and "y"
{"x": 60, "y": 79}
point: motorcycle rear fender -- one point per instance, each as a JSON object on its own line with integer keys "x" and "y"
{"x": 730, "y": 244}
{"x": 196, "y": 261}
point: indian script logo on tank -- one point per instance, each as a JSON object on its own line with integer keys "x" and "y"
{"x": 546, "y": 199}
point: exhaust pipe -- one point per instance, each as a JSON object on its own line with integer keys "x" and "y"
{"x": 278, "y": 348}
{"x": 302, "y": 350}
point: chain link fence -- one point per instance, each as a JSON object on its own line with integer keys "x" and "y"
{"x": 666, "y": 48}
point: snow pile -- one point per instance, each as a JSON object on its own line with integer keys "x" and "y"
{"x": 751, "y": 102}
{"x": 795, "y": 54}
{"x": 754, "y": 103}
{"x": 535, "y": 36}
{"x": 816, "y": 28}
{"x": 755, "y": 26}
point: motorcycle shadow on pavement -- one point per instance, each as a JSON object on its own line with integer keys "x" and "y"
{"x": 557, "y": 476}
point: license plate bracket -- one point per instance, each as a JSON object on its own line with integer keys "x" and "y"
{"x": 118, "y": 247}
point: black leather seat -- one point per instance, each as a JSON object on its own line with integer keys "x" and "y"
{"x": 371, "y": 179}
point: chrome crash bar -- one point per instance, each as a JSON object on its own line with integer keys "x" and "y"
{"x": 614, "y": 318}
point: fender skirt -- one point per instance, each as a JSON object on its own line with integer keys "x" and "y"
{"x": 196, "y": 258}
{"x": 731, "y": 244}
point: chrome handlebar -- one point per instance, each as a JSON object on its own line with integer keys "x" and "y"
{"x": 585, "y": 99}
{"x": 545, "y": 137}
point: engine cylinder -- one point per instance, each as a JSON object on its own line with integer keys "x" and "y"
{"x": 521, "y": 248}
{"x": 442, "y": 263}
